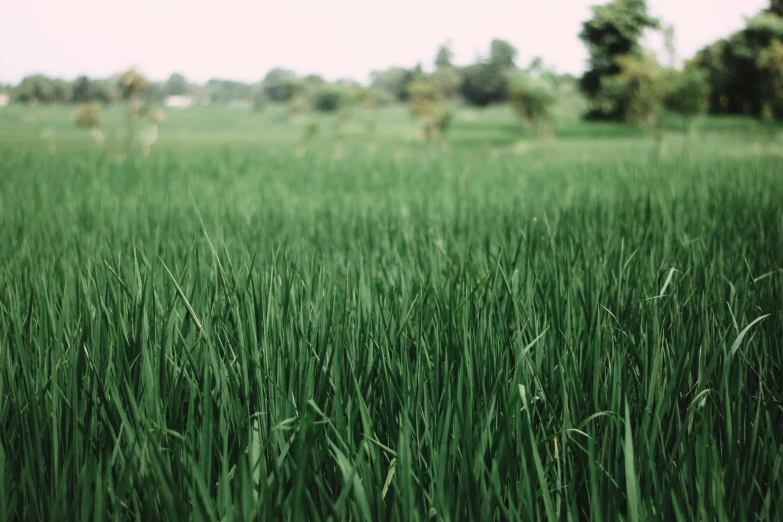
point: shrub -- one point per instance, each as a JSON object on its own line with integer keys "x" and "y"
{"x": 483, "y": 84}
{"x": 532, "y": 99}
{"x": 328, "y": 99}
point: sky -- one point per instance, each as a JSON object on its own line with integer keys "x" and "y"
{"x": 242, "y": 40}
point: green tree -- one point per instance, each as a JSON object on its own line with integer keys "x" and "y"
{"x": 502, "y": 54}
{"x": 448, "y": 80}
{"x": 176, "y": 85}
{"x": 132, "y": 83}
{"x": 484, "y": 83}
{"x": 444, "y": 56}
{"x": 688, "y": 94}
{"x": 280, "y": 85}
{"x": 770, "y": 61}
{"x": 222, "y": 92}
{"x": 643, "y": 81}
{"x": 739, "y": 83}
{"x": 393, "y": 81}
{"x": 88, "y": 116}
{"x": 614, "y": 30}
{"x": 776, "y": 7}
{"x": 536, "y": 65}
{"x": 533, "y": 99}
{"x": 34, "y": 88}
{"x": 328, "y": 98}
{"x": 83, "y": 90}
{"x": 427, "y": 105}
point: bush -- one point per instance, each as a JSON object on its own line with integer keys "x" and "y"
{"x": 532, "y": 99}
{"x": 328, "y": 99}
{"x": 425, "y": 101}
{"x": 483, "y": 84}
{"x": 688, "y": 93}
{"x": 88, "y": 115}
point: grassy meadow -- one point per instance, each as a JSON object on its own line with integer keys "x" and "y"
{"x": 499, "y": 328}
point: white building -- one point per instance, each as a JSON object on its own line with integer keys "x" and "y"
{"x": 178, "y": 102}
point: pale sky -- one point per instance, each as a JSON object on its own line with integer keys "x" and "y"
{"x": 241, "y": 39}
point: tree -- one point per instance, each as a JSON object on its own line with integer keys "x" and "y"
{"x": 328, "y": 98}
{"x": 176, "y": 85}
{"x": 642, "y": 80}
{"x": 448, "y": 80}
{"x": 533, "y": 99}
{"x": 34, "y": 88}
{"x": 82, "y": 90}
{"x": 444, "y": 57}
{"x": 614, "y": 30}
{"x": 392, "y": 81}
{"x": 88, "y": 116}
{"x": 776, "y": 7}
{"x": 502, "y": 54}
{"x": 62, "y": 91}
{"x": 536, "y": 65}
{"x": 280, "y": 85}
{"x": 771, "y": 62}
{"x": 86, "y": 90}
{"x": 484, "y": 83}
{"x": 734, "y": 65}
{"x": 132, "y": 82}
{"x": 222, "y": 92}
{"x": 688, "y": 94}
{"x": 426, "y": 104}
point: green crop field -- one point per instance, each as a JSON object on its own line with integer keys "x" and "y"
{"x": 499, "y": 328}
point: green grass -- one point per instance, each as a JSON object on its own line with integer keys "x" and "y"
{"x": 491, "y": 331}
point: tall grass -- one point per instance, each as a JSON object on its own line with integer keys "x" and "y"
{"x": 236, "y": 334}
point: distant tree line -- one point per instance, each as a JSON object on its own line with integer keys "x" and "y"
{"x": 482, "y": 83}
{"x": 741, "y": 74}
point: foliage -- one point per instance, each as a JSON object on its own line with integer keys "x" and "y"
{"x": 426, "y": 104}
{"x": 89, "y": 90}
{"x": 222, "y": 92}
{"x": 444, "y": 57}
{"x": 299, "y": 104}
{"x": 614, "y": 30}
{"x": 532, "y": 99}
{"x": 687, "y": 92}
{"x": 424, "y": 99}
{"x": 448, "y": 80}
{"x": 39, "y": 88}
{"x": 643, "y": 81}
{"x": 735, "y": 68}
{"x": 280, "y": 85}
{"x": 484, "y": 84}
{"x": 88, "y": 115}
{"x": 502, "y": 54}
{"x": 392, "y": 81}
{"x": 132, "y": 83}
{"x": 770, "y": 61}
{"x": 328, "y": 98}
{"x": 396, "y": 80}
{"x": 176, "y": 85}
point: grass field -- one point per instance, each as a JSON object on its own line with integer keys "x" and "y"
{"x": 499, "y": 329}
